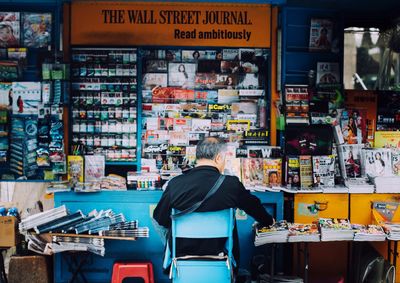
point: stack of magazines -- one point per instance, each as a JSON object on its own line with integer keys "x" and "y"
{"x": 276, "y": 233}
{"x": 368, "y": 233}
{"x": 335, "y": 229}
{"x": 392, "y": 230}
{"x": 303, "y": 233}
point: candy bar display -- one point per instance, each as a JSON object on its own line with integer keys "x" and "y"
{"x": 104, "y": 103}
{"x": 191, "y": 94}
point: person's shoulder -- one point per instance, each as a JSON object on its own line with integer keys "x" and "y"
{"x": 232, "y": 180}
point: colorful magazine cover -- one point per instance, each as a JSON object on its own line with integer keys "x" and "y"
{"x": 227, "y": 96}
{"x": 306, "y": 173}
{"x": 350, "y": 160}
{"x": 244, "y": 107}
{"x": 252, "y": 172}
{"x": 94, "y": 168}
{"x": 181, "y": 74}
{"x": 293, "y": 171}
{"x": 378, "y": 161}
{"x": 353, "y": 126}
{"x": 272, "y": 172}
{"x": 387, "y": 139}
{"x": 321, "y": 32}
{"x": 26, "y": 97}
{"x": 9, "y": 29}
{"x": 75, "y": 168}
{"x": 323, "y": 171}
{"x": 201, "y": 124}
{"x": 232, "y": 167}
{"x": 151, "y": 80}
{"x": 230, "y": 54}
{"x": 37, "y": 29}
{"x": 213, "y": 81}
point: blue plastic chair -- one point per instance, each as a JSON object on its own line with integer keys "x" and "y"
{"x": 203, "y": 225}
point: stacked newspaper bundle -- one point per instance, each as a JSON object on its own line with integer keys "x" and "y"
{"x": 392, "y": 230}
{"x": 276, "y": 233}
{"x": 335, "y": 229}
{"x": 368, "y": 233}
{"x": 38, "y": 219}
{"x": 303, "y": 233}
{"x": 387, "y": 184}
{"x": 127, "y": 229}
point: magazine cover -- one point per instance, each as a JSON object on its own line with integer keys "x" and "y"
{"x": 182, "y": 95}
{"x": 248, "y": 81}
{"x": 6, "y": 96}
{"x": 165, "y": 124}
{"x": 272, "y": 172}
{"x": 247, "y": 54}
{"x": 209, "y": 66}
{"x": 238, "y": 125}
{"x": 230, "y": 54}
{"x": 364, "y": 101}
{"x": 353, "y": 126}
{"x": 229, "y": 67}
{"x": 162, "y": 94}
{"x": 156, "y": 66}
{"x": 37, "y": 29}
{"x": 256, "y": 137}
{"x": 218, "y": 121}
{"x": 182, "y": 124}
{"x": 321, "y": 32}
{"x": 26, "y": 97}
{"x": 232, "y": 167}
{"x": 323, "y": 171}
{"x": 151, "y": 80}
{"x": 214, "y": 81}
{"x": 178, "y": 138}
{"x": 251, "y": 92}
{"x": 75, "y": 168}
{"x": 306, "y": 172}
{"x": 387, "y": 139}
{"x": 252, "y": 172}
{"x": 201, "y": 125}
{"x": 172, "y": 55}
{"x": 227, "y": 96}
{"x": 244, "y": 107}
{"x": 175, "y": 157}
{"x": 193, "y": 55}
{"x": 350, "y": 160}
{"x": 328, "y": 73}
{"x": 293, "y": 171}
{"x": 94, "y": 168}
{"x": 254, "y": 151}
{"x": 378, "y": 161}
{"x": 396, "y": 161}
{"x": 387, "y": 111}
{"x": 181, "y": 74}
{"x": 9, "y": 29}
{"x": 309, "y": 140}
{"x": 190, "y": 156}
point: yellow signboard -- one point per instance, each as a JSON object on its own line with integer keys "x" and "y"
{"x": 170, "y": 24}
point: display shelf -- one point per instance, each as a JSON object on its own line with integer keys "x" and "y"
{"x": 122, "y": 163}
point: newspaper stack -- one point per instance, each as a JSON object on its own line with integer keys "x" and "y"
{"x": 303, "y": 233}
{"x": 127, "y": 229}
{"x": 276, "y": 233}
{"x": 359, "y": 185}
{"x": 38, "y": 219}
{"x": 387, "y": 184}
{"x": 335, "y": 229}
{"x": 392, "y": 230}
{"x": 368, "y": 233}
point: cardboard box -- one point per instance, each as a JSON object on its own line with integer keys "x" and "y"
{"x": 8, "y": 228}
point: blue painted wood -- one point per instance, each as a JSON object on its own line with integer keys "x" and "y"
{"x": 138, "y": 205}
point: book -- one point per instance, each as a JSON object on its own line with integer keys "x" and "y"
{"x": 37, "y": 30}
{"x": 328, "y": 73}
{"x": 75, "y": 168}
{"x": 350, "y": 160}
{"x": 323, "y": 171}
{"x": 252, "y": 172}
{"x": 321, "y": 32}
{"x": 293, "y": 171}
{"x": 272, "y": 172}
{"x": 94, "y": 168}
{"x": 378, "y": 162}
{"x": 10, "y": 28}
{"x": 306, "y": 172}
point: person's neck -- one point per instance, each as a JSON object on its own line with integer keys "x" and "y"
{"x": 207, "y": 162}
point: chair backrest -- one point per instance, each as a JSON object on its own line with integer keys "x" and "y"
{"x": 203, "y": 225}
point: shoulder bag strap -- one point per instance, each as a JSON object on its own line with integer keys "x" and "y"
{"x": 195, "y": 206}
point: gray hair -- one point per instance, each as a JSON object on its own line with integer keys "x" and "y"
{"x": 209, "y": 148}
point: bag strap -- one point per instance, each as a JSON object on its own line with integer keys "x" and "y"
{"x": 195, "y": 206}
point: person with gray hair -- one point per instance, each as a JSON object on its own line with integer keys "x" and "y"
{"x": 183, "y": 191}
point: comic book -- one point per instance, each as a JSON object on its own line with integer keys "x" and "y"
{"x": 323, "y": 171}
{"x": 37, "y": 30}
{"x": 272, "y": 168}
{"x": 252, "y": 172}
{"x": 321, "y": 32}
{"x": 377, "y": 161}
{"x": 306, "y": 177}
{"x": 293, "y": 171}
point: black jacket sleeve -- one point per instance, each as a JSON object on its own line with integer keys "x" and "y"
{"x": 252, "y": 206}
{"x": 162, "y": 211}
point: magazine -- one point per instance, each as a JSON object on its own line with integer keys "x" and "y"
{"x": 272, "y": 172}
{"x": 378, "y": 162}
{"x": 227, "y": 96}
{"x": 37, "y": 30}
{"x": 181, "y": 74}
{"x": 328, "y": 73}
{"x": 75, "y": 168}
{"x": 293, "y": 171}
{"x": 252, "y": 172}
{"x": 10, "y": 28}
{"x": 230, "y": 54}
{"x": 321, "y": 31}
{"x": 323, "y": 171}
{"x": 26, "y": 97}
{"x": 201, "y": 124}
{"x": 306, "y": 173}
{"x": 387, "y": 111}
{"x": 94, "y": 168}
{"x": 151, "y": 80}
{"x": 156, "y": 66}
{"x": 244, "y": 107}
{"x": 6, "y": 96}
{"x": 209, "y": 66}
{"x": 350, "y": 160}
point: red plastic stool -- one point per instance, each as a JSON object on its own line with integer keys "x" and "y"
{"x": 123, "y": 270}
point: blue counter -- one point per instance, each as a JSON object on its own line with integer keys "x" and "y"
{"x": 140, "y": 205}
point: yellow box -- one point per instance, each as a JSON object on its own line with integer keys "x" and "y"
{"x": 8, "y": 229}
{"x": 310, "y": 207}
